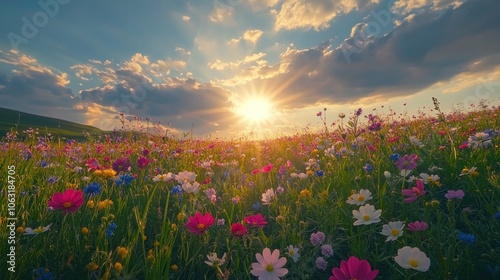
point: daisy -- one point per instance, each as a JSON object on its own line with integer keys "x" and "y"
{"x": 269, "y": 266}
{"x": 293, "y": 252}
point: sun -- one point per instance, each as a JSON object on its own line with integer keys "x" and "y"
{"x": 256, "y": 110}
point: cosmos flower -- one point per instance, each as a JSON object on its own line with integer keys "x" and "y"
{"x": 213, "y": 260}
{"x": 415, "y": 192}
{"x": 393, "y": 230}
{"x": 254, "y": 221}
{"x": 417, "y": 226}
{"x": 269, "y": 266}
{"x": 451, "y": 194}
{"x": 366, "y": 215}
{"x": 360, "y": 198}
{"x": 121, "y": 165}
{"x": 268, "y": 196}
{"x": 68, "y": 201}
{"x": 40, "y": 229}
{"x": 238, "y": 229}
{"x": 407, "y": 162}
{"x": 413, "y": 258}
{"x": 199, "y": 223}
{"x": 354, "y": 268}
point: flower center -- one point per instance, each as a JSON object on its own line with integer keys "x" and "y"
{"x": 394, "y": 232}
{"x": 200, "y": 226}
{"x": 291, "y": 252}
{"x": 39, "y": 230}
{"x": 361, "y": 198}
{"x": 269, "y": 267}
{"x": 366, "y": 217}
{"x": 414, "y": 263}
{"x": 67, "y": 204}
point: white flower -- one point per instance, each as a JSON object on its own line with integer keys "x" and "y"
{"x": 191, "y": 188}
{"x": 480, "y": 140}
{"x": 185, "y": 176}
{"x": 213, "y": 260}
{"x": 302, "y": 175}
{"x": 387, "y": 174}
{"x": 366, "y": 215}
{"x": 269, "y": 266}
{"x": 30, "y": 231}
{"x": 413, "y": 258}
{"x": 414, "y": 140}
{"x": 393, "y": 230}
{"x": 360, "y": 198}
{"x": 268, "y": 196}
{"x": 405, "y": 172}
{"x": 293, "y": 252}
{"x": 467, "y": 171}
{"x": 162, "y": 177}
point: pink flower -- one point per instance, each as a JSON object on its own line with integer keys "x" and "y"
{"x": 267, "y": 168}
{"x": 354, "y": 269}
{"x": 407, "y": 162}
{"x": 269, "y": 265}
{"x": 255, "y": 221}
{"x": 451, "y": 194}
{"x": 417, "y": 226}
{"x": 413, "y": 193}
{"x": 142, "y": 162}
{"x": 199, "y": 223}
{"x": 68, "y": 201}
{"x": 238, "y": 230}
{"x": 317, "y": 238}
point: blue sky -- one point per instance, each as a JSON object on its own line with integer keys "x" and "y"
{"x": 191, "y": 65}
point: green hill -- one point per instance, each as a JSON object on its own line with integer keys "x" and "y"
{"x": 16, "y": 120}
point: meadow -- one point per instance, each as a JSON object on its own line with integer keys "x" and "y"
{"x": 371, "y": 197}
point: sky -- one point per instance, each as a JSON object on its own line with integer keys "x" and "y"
{"x": 226, "y": 68}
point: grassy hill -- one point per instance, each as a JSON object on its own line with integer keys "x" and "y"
{"x": 12, "y": 119}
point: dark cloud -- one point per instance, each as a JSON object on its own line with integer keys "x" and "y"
{"x": 420, "y": 51}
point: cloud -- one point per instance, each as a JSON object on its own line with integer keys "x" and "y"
{"x": 220, "y": 65}
{"x": 221, "y": 13}
{"x": 420, "y": 52}
{"x": 186, "y": 18}
{"x": 252, "y": 36}
{"x": 315, "y": 14}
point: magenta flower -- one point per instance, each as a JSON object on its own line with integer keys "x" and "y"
{"x": 255, "y": 221}
{"x": 142, "y": 162}
{"x": 407, "y": 162}
{"x": 121, "y": 164}
{"x": 238, "y": 230}
{"x": 417, "y": 226}
{"x": 451, "y": 194}
{"x": 267, "y": 168}
{"x": 413, "y": 193}
{"x": 354, "y": 269}
{"x": 68, "y": 201}
{"x": 199, "y": 223}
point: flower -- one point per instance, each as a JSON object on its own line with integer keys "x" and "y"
{"x": 268, "y": 197}
{"x": 480, "y": 140}
{"x": 451, "y": 194}
{"x": 92, "y": 189}
{"x": 407, "y": 162}
{"x": 121, "y": 164}
{"x": 269, "y": 266}
{"x": 118, "y": 267}
{"x": 321, "y": 263}
{"x": 40, "y": 229}
{"x": 467, "y": 171}
{"x": 221, "y": 222}
{"x": 430, "y": 179}
{"x": 417, "y": 226}
{"x": 413, "y": 193}
{"x": 185, "y": 177}
{"x": 124, "y": 179}
{"x": 255, "y": 221}
{"x": 42, "y": 274}
{"x": 360, "y": 198}
{"x": 326, "y": 250}
{"x": 267, "y": 168}
{"x": 413, "y": 258}
{"x": 199, "y": 223}
{"x": 142, "y": 162}
{"x": 293, "y": 252}
{"x": 68, "y": 201}
{"x": 467, "y": 238}
{"x": 366, "y": 215}
{"x": 105, "y": 204}
{"x": 393, "y": 230}
{"x": 162, "y": 177}
{"x": 191, "y": 188}
{"x": 354, "y": 268}
{"x": 122, "y": 252}
{"x": 213, "y": 260}
{"x": 85, "y": 231}
{"x": 238, "y": 230}
{"x": 368, "y": 168}
{"x": 317, "y": 238}
{"x": 111, "y": 229}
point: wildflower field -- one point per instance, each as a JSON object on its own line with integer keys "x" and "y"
{"x": 373, "y": 197}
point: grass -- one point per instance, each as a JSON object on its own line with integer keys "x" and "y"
{"x": 312, "y": 176}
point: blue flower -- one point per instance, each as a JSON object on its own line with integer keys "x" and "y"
{"x": 256, "y": 206}
{"x": 497, "y": 215}
{"x": 53, "y": 180}
{"x": 92, "y": 189}
{"x": 368, "y": 168}
{"x": 467, "y": 238}
{"x": 42, "y": 274}
{"x": 125, "y": 179}
{"x": 394, "y": 157}
{"x": 111, "y": 229}
{"x": 177, "y": 190}
{"x": 320, "y": 173}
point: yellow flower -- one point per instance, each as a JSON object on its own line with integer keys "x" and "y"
{"x": 85, "y": 231}
{"x": 105, "y": 204}
{"x": 122, "y": 252}
{"x": 181, "y": 216}
{"x": 305, "y": 193}
{"x": 19, "y": 230}
{"x": 309, "y": 172}
{"x": 173, "y": 226}
{"x": 156, "y": 243}
{"x": 92, "y": 266}
{"x": 144, "y": 237}
{"x": 90, "y": 204}
{"x": 109, "y": 173}
{"x": 118, "y": 267}
{"x": 174, "y": 267}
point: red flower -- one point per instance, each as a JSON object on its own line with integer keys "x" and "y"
{"x": 267, "y": 168}
{"x": 255, "y": 221}
{"x": 68, "y": 201}
{"x": 238, "y": 230}
{"x": 354, "y": 269}
{"x": 199, "y": 223}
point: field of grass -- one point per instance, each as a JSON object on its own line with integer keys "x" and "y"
{"x": 21, "y": 121}
{"x": 119, "y": 207}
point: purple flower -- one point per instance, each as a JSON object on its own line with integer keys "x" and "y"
{"x": 451, "y": 194}
{"x": 326, "y": 250}
{"x": 417, "y": 226}
{"x": 121, "y": 164}
{"x": 321, "y": 263}
{"x": 317, "y": 238}
{"x": 407, "y": 162}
